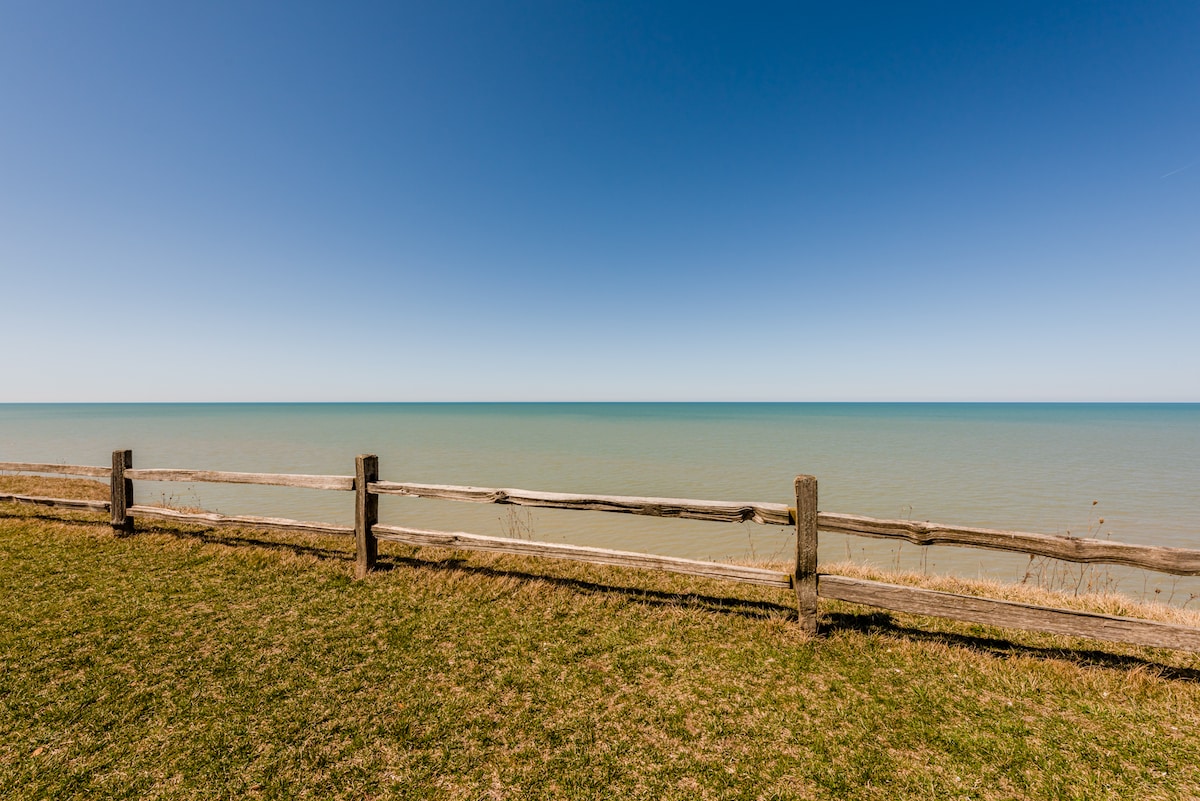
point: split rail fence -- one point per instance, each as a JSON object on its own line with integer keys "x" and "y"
{"x": 804, "y": 579}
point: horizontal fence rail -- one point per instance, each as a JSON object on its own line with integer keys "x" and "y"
{"x": 62, "y": 469}
{"x": 344, "y": 483}
{"x": 237, "y": 521}
{"x": 717, "y": 511}
{"x": 1008, "y": 614}
{"x": 600, "y": 556}
{"x": 1176, "y": 561}
{"x": 805, "y": 580}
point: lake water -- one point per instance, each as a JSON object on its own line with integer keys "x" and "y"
{"x": 1032, "y": 467}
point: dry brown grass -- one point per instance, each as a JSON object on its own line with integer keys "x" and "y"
{"x": 74, "y": 488}
{"x": 1109, "y": 603}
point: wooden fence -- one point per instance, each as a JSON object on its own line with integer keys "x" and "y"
{"x": 804, "y": 579}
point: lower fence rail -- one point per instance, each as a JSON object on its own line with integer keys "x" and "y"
{"x": 1008, "y": 614}
{"x": 237, "y": 521}
{"x": 579, "y": 553}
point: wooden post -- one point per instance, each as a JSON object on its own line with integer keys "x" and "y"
{"x": 804, "y": 579}
{"x": 366, "y": 515}
{"x": 121, "y": 492}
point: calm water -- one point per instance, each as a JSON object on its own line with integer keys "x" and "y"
{"x": 1034, "y": 467}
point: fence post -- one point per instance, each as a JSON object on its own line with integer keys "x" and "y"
{"x": 804, "y": 579}
{"x": 121, "y": 492}
{"x": 366, "y": 515}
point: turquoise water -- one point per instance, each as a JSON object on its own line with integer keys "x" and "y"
{"x": 1034, "y": 467}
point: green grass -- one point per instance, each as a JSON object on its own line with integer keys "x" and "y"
{"x": 185, "y": 663}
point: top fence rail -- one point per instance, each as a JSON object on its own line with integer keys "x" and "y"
{"x": 1173, "y": 561}
{"x": 717, "y": 511}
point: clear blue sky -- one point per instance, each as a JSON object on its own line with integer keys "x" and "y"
{"x": 599, "y": 201}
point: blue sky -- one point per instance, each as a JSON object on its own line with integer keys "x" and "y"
{"x": 599, "y": 201}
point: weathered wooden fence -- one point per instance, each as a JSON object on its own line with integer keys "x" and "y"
{"x": 804, "y": 579}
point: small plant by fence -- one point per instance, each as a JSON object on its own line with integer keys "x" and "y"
{"x": 804, "y": 579}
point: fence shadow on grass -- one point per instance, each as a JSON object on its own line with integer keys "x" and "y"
{"x": 215, "y": 536}
{"x": 13, "y": 511}
{"x": 390, "y": 561}
{"x": 659, "y": 598}
{"x": 883, "y": 622}
{"x": 864, "y": 622}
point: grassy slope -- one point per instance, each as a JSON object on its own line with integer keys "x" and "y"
{"x": 183, "y": 663}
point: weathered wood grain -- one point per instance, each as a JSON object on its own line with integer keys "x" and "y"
{"x": 579, "y": 553}
{"x": 65, "y": 503}
{"x": 62, "y": 469}
{"x": 366, "y": 515}
{"x": 1176, "y": 561}
{"x": 344, "y": 483}
{"x": 239, "y": 521}
{"x": 1008, "y": 614}
{"x": 719, "y": 511}
{"x": 804, "y": 578}
{"x": 121, "y": 491}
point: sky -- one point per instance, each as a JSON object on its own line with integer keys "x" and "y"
{"x": 559, "y": 201}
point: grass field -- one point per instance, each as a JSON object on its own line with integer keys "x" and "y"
{"x": 186, "y": 663}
